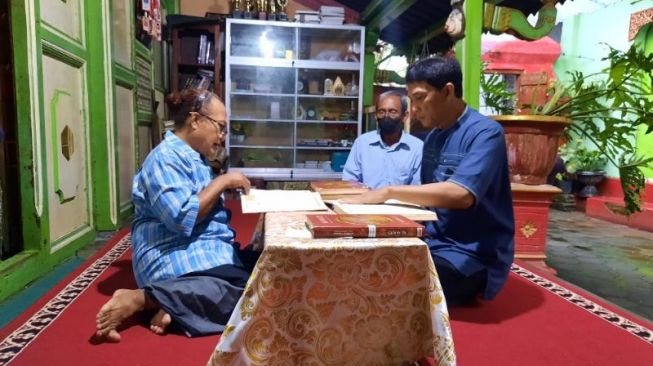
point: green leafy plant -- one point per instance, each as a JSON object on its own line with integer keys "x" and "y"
{"x": 607, "y": 108}
{"x": 498, "y": 97}
{"x": 578, "y": 158}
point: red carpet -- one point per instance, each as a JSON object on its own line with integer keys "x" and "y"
{"x": 533, "y": 321}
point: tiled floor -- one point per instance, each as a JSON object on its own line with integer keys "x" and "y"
{"x": 611, "y": 261}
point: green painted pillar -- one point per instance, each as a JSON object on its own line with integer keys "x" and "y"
{"x": 468, "y": 52}
{"x": 371, "y": 37}
{"x": 645, "y": 141}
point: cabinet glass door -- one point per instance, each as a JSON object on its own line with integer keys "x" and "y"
{"x": 262, "y": 80}
{"x": 262, "y": 41}
{"x": 258, "y": 144}
{"x": 330, "y": 44}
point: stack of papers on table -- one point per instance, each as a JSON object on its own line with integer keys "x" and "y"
{"x": 390, "y": 207}
{"x": 336, "y": 189}
{"x": 260, "y": 200}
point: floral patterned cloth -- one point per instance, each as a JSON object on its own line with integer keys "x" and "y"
{"x": 337, "y": 302}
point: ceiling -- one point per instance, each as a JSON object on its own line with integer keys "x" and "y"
{"x": 423, "y": 15}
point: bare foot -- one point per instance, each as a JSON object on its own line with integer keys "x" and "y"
{"x": 123, "y": 304}
{"x": 160, "y": 322}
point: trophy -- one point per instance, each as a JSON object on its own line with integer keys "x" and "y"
{"x": 272, "y": 15}
{"x": 282, "y": 10}
{"x": 236, "y": 12}
{"x": 248, "y": 14}
{"x": 260, "y": 5}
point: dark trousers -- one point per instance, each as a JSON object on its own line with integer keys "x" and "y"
{"x": 200, "y": 303}
{"x": 458, "y": 288}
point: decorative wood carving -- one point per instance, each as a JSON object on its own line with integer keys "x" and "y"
{"x": 638, "y": 21}
{"x": 501, "y": 19}
{"x": 67, "y": 142}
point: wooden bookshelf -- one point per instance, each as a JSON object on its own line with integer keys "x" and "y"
{"x": 197, "y": 52}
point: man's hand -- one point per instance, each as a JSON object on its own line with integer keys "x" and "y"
{"x": 234, "y": 180}
{"x": 210, "y": 195}
{"x": 375, "y": 196}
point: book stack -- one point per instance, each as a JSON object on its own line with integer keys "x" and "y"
{"x": 362, "y": 226}
{"x": 332, "y": 15}
{"x": 336, "y": 189}
{"x": 307, "y": 16}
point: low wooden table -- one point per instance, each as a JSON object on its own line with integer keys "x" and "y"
{"x": 337, "y": 302}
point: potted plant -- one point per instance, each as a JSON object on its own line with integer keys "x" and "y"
{"x": 606, "y": 108}
{"x": 585, "y": 165}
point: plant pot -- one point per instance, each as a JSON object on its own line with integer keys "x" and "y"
{"x": 590, "y": 180}
{"x": 532, "y": 144}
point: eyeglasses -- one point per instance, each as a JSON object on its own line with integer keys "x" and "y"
{"x": 221, "y": 126}
{"x": 392, "y": 113}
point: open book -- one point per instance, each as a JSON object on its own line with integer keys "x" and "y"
{"x": 390, "y": 207}
{"x": 259, "y": 200}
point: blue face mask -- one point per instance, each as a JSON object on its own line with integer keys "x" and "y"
{"x": 389, "y": 126}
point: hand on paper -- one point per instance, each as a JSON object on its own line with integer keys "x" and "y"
{"x": 235, "y": 180}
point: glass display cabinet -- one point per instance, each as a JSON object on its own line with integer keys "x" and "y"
{"x": 293, "y": 97}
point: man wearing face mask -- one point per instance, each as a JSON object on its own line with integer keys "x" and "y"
{"x": 388, "y": 155}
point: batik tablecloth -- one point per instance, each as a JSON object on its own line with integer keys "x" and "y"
{"x": 337, "y": 302}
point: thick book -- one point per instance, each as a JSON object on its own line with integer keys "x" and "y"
{"x": 390, "y": 207}
{"x": 362, "y": 226}
{"x": 335, "y": 189}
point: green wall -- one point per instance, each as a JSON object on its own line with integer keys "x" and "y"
{"x": 31, "y": 39}
{"x": 582, "y": 48}
{"x": 645, "y": 142}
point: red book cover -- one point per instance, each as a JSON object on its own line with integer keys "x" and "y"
{"x": 362, "y": 226}
{"x": 337, "y": 187}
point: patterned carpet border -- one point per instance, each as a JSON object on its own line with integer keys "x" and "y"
{"x": 635, "y": 329}
{"x": 18, "y": 340}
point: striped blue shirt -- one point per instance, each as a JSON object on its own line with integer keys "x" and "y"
{"x": 377, "y": 165}
{"x": 167, "y": 240}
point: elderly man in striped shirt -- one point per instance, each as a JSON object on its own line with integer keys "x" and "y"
{"x": 185, "y": 261}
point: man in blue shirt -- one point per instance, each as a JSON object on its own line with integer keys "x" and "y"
{"x": 464, "y": 179}
{"x": 185, "y": 261}
{"x": 388, "y": 155}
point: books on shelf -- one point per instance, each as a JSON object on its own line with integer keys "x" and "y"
{"x": 362, "y": 226}
{"x": 260, "y": 200}
{"x": 332, "y": 14}
{"x": 336, "y": 189}
{"x": 307, "y": 16}
{"x": 205, "y": 51}
{"x": 203, "y": 79}
{"x": 390, "y": 207}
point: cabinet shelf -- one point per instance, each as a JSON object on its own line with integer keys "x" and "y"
{"x": 262, "y": 94}
{"x": 279, "y": 70}
{"x": 245, "y": 119}
{"x": 303, "y": 147}
{"x": 327, "y": 96}
{"x": 193, "y": 42}
{"x": 240, "y": 146}
{"x": 197, "y": 66}
{"x": 327, "y": 122}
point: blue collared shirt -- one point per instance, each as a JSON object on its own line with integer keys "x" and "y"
{"x": 472, "y": 154}
{"x": 167, "y": 240}
{"x": 377, "y": 165}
